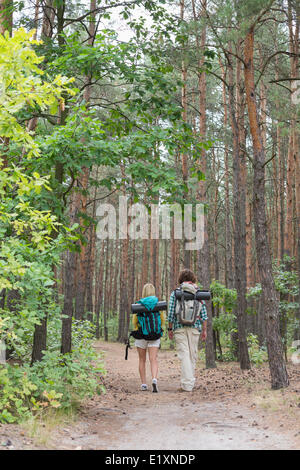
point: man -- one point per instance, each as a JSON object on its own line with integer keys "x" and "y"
{"x": 187, "y": 336}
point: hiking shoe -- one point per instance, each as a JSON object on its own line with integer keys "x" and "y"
{"x": 180, "y": 389}
{"x": 154, "y": 386}
{"x": 144, "y": 387}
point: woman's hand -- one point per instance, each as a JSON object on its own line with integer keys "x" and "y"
{"x": 171, "y": 334}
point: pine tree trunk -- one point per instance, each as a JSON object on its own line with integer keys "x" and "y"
{"x": 123, "y": 312}
{"x": 115, "y": 284}
{"x": 229, "y": 278}
{"x": 123, "y": 327}
{"x": 279, "y": 376}
{"x": 99, "y": 289}
{"x": 203, "y": 255}
{"x": 106, "y": 290}
{"x": 90, "y": 274}
{"x": 184, "y": 157}
{"x": 239, "y": 203}
{"x": 67, "y": 312}
{"x": 294, "y": 49}
{"x": 145, "y": 263}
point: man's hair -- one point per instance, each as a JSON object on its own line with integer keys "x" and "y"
{"x": 187, "y": 275}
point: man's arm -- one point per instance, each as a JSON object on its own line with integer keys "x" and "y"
{"x": 203, "y": 315}
{"x": 204, "y": 331}
{"x": 171, "y": 314}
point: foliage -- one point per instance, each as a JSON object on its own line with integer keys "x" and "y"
{"x": 257, "y": 354}
{"x": 27, "y": 247}
{"x": 16, "y": 391}
{"x": 71, "y": 376}
{"x": 22, "y": 87}
{"x": 30, "y": 246}
{"x": 223, "y": 297}
{"x": 287, "y": 286}
{"x": 225, "y": 323}
{"x": 138, "y": 124}
{"x": 56, "y": 381}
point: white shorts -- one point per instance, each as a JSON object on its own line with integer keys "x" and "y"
{"x": 144, "y": 344}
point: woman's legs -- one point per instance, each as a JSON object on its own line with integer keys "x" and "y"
{"x": 152, "y": 351}
{"x": 142, "y": 364}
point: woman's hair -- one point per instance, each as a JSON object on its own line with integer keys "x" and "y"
{"x": 148, "y": 290}
{"x": 186, "y": 275}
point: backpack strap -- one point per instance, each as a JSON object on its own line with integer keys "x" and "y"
{"x": 181, "y": 301}
{"x": 127, "y": 347}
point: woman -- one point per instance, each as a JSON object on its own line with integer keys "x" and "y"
{"x": 149, "y": 301}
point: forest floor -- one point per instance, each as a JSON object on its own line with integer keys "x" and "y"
{"x": 228, "y": 409}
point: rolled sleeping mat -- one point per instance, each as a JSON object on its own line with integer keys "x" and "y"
{"x": 200, "y": 295}
{"x": 139, "y": 308}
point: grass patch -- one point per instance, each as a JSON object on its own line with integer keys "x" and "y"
{"x": 40, "y": 427}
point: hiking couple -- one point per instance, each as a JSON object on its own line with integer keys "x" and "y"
{"x": 186, "y": 335}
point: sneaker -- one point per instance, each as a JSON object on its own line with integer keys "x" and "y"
{"x": 154, "y": 386}
{"x": 144, "y": 387}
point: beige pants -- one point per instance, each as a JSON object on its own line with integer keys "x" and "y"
{"x": 187, "y": 339}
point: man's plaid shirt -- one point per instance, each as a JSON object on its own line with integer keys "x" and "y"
{"x": 172, "y": 317}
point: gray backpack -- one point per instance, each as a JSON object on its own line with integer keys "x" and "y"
{"x": 187, "y": 310}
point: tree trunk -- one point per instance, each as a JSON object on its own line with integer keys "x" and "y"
{"x": 6, "y": 16}
{"x": 123, "y": 313}
{"x": 203, "y": 255}
{"x": 67, "y": 312}
{"x": 279, "y": 376}
{"x": 106, "y": 291}
{"x": 145, "y": 263}
{"x": 294, "y": 48}
{"x": 229, "y": 278}
{"x": 123, "y": 327}
{"x": 39, "y": 341}
{"x": 239, "y": 203}
{"x": 90, "y": 274}
{"x": 184, "y": 157}
{"x": 99, "y": 290}
{"x": 40, "y": 333}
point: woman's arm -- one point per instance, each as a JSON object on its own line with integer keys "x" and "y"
{"x": 135, "y": 321}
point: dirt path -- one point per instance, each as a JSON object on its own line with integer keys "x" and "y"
{"x": 229, "y": 409}
{"x": 219, "y": 414}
